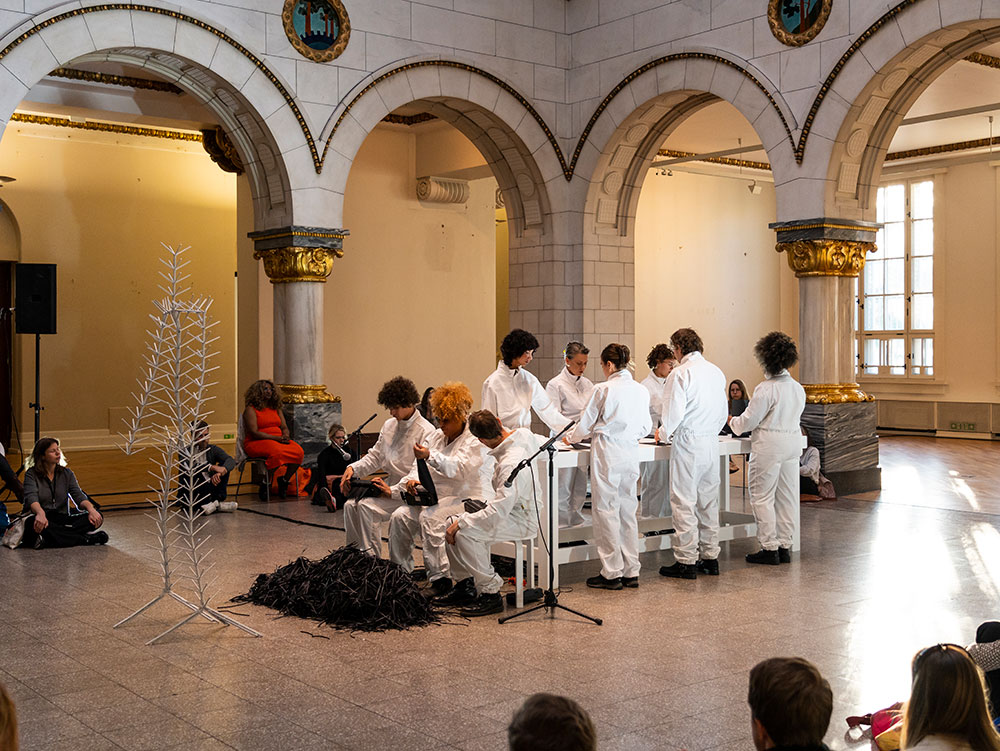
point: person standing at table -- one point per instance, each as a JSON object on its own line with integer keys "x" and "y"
{"x": 694, "y": 411}
{"x": 773, "y": 416}
{"x": 654, "y": 477}
{"x": 570, "y": 391}
{"x": 615, "y": 418}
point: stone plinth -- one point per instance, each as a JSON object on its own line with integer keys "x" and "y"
{"x": 847, "y": 442}
{"x": 309, "y": 425}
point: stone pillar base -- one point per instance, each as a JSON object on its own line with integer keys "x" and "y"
{"x": 848, "y": 445}
{"x": 309, "y": 425}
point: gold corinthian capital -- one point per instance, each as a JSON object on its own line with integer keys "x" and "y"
{"x": 826, "y": 257}
{"x": 835, "y": 393}
{"x": 297, "y": 264}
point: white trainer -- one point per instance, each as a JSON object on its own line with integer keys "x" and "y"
{"x": 210, "y": 508}
{"x": 228, "y": 507}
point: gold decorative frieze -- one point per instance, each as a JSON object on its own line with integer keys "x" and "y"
{"x": 727, "y": 161}
{"x": 297, "y": 264}
{"x": 292, "y": 393}
{"x": 835, "y": 393}
{"x": 125, "y": 130}
{"x": 826, "y": 257}
{"x": 109, "y": 79}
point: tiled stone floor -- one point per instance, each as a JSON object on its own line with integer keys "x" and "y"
{"x": 668, "y": 669}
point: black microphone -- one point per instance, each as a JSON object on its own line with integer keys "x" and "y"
{"x": 362, "y": 425}
{"x": 510, "y": 478}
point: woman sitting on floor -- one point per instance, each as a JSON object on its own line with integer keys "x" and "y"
{"x": 64, "y": 515}
{"x": 266, "y": 434}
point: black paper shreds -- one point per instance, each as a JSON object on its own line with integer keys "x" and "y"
{"x": 347, "y": 590}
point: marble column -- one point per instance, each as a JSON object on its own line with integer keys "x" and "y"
{"x": 298, "y": 261}
{"x": 826, "y": 256}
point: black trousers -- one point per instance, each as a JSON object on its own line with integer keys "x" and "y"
{"x": 64, "y": 531}
{"x": 207, "y": 492}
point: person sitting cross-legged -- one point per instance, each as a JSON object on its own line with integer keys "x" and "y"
{"x": 790, "y": 705}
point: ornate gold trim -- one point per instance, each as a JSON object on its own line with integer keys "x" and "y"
{"x": 835, "y": 393}
{"x": 221, "y": 150}
{"x": 826, "y": 257}
{"x": 796, "y": 40}
{"x": 317, "y": 56}
{"x": 744, "y": 163}
{"x": 292, "y": 393}
{"x": 263, "y": 235}
{"x": 110, "y": 79}
{"x": 980, "y": 59}
{"x": 297, "y": 264}
{"x": 943, "y": 148}
{"x": 824, "y": 225}
{"x": 128, "y": 130}
{"x": 420, "y": 117}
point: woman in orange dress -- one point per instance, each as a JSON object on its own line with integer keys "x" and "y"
{"x": 266, "y": 434}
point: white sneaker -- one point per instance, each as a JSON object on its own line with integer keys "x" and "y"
{"x": 228, "y": 507}
{"x": 210, "y": 508}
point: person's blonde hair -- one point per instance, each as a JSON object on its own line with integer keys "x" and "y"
{"x": 8, "y": 722}
{"x": 451, "y": 401}
{"x": 948, "y": 697}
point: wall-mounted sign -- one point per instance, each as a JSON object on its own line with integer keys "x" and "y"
{"x": 318, "y": 29}
{"x": 795, "y": 22}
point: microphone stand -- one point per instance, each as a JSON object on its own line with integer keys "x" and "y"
{"x": 551, "y": 599}
{"x": 357, "y": 433}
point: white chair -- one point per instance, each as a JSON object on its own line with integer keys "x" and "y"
{"x": 519, "y": 567}
{"x": 242, "y": 460}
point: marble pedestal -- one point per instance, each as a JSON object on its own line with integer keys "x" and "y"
{"x": 848, "y": 445}
{"x": 309, "y": 425}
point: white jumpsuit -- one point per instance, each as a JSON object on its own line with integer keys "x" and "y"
{"x": 393, "y": 454}
{"x": 654, "y": 477}
{"x": 694, "y": 411}
{"x": 570, "y": 394}
{"x": 454, "y": 468}
{"x": 511, "y": 394}
{"x": 511, "y": 514}
{"x": 616, "y": 417}
{"x": 773, "y": 415}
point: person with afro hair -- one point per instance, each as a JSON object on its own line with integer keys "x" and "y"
{"x": 773, "y": 416}
{"x": 392, "y": 454}
{"x": 453, "y": 457}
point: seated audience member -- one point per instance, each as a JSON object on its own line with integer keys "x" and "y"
{"x": 324, "y": 482}
{"x": 266, "y": 434}
{"x": 546, "y": 722}
{"x": 10, "y": 480}
{"x": 63, "y": 514}
{"x": 210, "y": 494}
{"x": 424, "y": 408}
{"x": 986, "y": 654}
{"x": 947, "y": 710}
{"x": 8, "y": 722}
{"x": 811, "y": 480}
{"x": 790, "y": 705}
{"x": 738, "y": 401}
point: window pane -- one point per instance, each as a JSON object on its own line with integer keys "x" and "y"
{"x": 897, "y": 357}
{"x": 922, "y": 312}
{"x": 922, "y": 356}
{"x": 874, "y": 316}
{"x": 923, "y": 237}
{"x": 895, "y": 308}
{"x": 880, "y": 205}
{"x": 894, "y": 241}
{"x": 873, "y": 355}
{"x": 922, "y": 200}
{"x": 922, "y": 279}
{"x": 856, "y": 308}
{"x": 874, "y": 278}
{"x": 895, "y": 277}
{"x": 895, "y": 203}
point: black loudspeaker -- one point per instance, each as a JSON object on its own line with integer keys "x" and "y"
{"x": 35, "y": 298}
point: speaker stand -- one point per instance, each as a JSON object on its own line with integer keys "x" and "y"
{"x": 36, "y": 405}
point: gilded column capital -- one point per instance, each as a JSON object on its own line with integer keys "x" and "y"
{"x": 297, "y": 264}
{"x": 826, "y": 257}
{"x": 306, "y": 394}
{"x": 835, "y": 393}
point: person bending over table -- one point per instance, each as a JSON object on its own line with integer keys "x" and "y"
{"x": 773, "y": 417}
{"x": 615, "y": 418}
{"x": 265, "y": 435}
{"x": 694, "y": 411}
{"x": 510, "y": 392}
{"x": 654, "y": 477}
{"x": 570, "y": 391}
{"x": 511, "y": 514}
{"x": 392, "y": 454}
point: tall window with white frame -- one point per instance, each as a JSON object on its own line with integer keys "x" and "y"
{"x": 895, "y": 314}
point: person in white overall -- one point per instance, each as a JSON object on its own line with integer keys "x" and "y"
{"x": 654, "y": 477}
{"x": 773, "y": 415}
{"x": 694, "y": 411}
{"x": 570, "y": 391}
{"x": 615, "y": 418}
{"x": 392, "y": 454}
{"x": 453, "y": 457}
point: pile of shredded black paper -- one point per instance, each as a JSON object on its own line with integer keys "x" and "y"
{"x": 346, "y": 590}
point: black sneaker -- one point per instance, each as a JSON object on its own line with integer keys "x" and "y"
{"x": 767, "y": 557}
{"x": 680, "y": 571}
{"x": 599, "y": 582}
{"x": 630, "y": 582}
{"x": 419, "y": 574}
{"x": 785, "y": 555}
{"x": 99, "y": 537}
{"x": 439, "y": 587}
{"x": 708, "y": 566}
{"x": 462, "y": 594}
{"x": 485, "y": 604}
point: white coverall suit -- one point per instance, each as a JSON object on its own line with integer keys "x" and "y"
{"x": 392, "y": 453}
{"x": 773, "y": 415}
{"x": 512, "y": 514}
{"x": 570, "y": 394}
{"x": 454, "y": 468}
{"x": 616, "y": 417}
{"x": 654, "y": 477}
{"x": 694, "y": 411}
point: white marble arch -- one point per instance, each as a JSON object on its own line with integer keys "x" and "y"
{"x": 253, "y": 103}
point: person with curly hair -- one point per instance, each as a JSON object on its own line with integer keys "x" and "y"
{"x": 570, "y": 391}
{"x": 615, "y": 418}
{"x": 511, "y": 392}
{"x": 654, "y": 477}
{"x": 265, "y": 435}
{"x": 453, "y": 457}
{"x": 392, "y": 454}
{"x": 773, "y": 416}
{"x": 694, "y": 411}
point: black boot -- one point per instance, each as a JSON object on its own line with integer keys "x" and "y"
{"x": 599, "y": 582}
{"x": 785, "y": 555}
{"x": 680, "y": 571}
{"x": 485, "y": 604}
{"x": 708, "y": 566}
{"x": 463, "y": 593}
{"x": 439, "y": 588}
{"x": 767, "y": 557}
